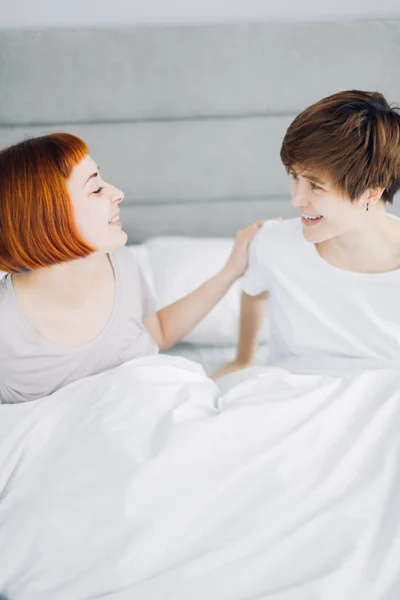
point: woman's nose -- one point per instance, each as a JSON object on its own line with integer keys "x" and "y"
{"x": 117, "y": 196}
{"x": 299, "y": 198}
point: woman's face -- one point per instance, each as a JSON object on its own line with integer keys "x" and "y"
{"x": 96, "y": 207}
{"x": 325, "y": 214}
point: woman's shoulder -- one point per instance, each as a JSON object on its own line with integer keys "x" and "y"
{"x": 274, "y": 235}
{"x": 274, "y": 241}
{"x": 134, "y": 266}
{"x": 4, "y": 288}
{"x": 126, "y": 260}
{"x": 8, "y": 319}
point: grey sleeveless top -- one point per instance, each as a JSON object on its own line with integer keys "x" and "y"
{"x": 32, "y": 367}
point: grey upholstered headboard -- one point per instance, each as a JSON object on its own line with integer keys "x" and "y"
{"x": 188, "y": 121}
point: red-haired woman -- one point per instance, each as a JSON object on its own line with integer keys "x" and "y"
{"x": 74, "y": 301}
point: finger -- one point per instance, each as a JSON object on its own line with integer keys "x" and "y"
{"x": 252, "y": 232}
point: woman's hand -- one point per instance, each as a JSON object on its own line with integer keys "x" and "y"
{"x": 231, "y": 367}
{"x": 238, "y": 260}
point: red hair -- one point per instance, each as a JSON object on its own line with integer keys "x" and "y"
{"x": 37, "y": 224}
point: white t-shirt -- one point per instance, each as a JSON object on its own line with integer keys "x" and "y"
{"x": 316, "y": 309}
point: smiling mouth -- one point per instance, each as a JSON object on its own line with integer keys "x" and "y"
{"x": 309, "y": 220}
{"x": 114, "y": 220}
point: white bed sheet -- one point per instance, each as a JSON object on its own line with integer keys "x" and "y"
{"x": 145, "y": 483}
{"x": 214, "y": 357}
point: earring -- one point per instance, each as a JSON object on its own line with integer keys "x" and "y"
{"x": 367, "y": 207}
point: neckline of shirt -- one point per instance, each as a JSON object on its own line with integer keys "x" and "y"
{"x": 355, "y": 275}
{"x": 66, "y": 348}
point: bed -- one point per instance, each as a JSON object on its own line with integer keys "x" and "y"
{"x": 149, "y": 481}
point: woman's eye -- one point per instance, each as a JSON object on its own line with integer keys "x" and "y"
{"x": 98, "y": 191}
{"x": 315, "y": 186}
{"x": 293, "y": 176}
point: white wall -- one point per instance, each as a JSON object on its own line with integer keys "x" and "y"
{"x": 100, "y": 13}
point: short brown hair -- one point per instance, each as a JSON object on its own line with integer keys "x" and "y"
{"x": 352, "y": 138}
{"x": 37, "y": 224}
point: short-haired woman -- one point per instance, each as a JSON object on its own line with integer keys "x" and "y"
{"x": 333, "y": 273}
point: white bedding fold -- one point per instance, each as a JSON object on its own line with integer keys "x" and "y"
{"x": 146, "y": 483}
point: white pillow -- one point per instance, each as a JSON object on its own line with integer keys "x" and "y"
{"x": 181, "y": 264}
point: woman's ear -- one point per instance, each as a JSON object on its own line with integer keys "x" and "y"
{"x": 372, "y": 195}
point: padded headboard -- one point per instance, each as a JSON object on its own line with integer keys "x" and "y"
{"x": 188, "y": 120}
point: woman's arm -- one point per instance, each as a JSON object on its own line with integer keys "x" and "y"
{"x": 170, "y": 324}
{"x": 252, "y": 315}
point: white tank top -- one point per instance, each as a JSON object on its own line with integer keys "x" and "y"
{"x": 32, "y": 367}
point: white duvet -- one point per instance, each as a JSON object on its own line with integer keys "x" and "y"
{"x": 145, "y": 483}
